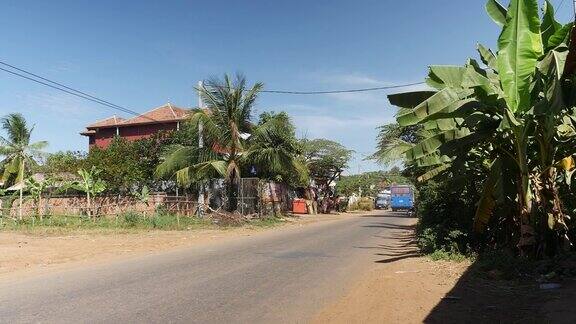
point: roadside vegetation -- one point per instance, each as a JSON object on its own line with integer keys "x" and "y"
{"x": 124, "y": 223}
{"x": 221, "y": 143}
{"x": 491, "y": 145}
{"x": 369, "y": 183}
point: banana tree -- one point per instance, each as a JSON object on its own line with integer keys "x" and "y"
{"x": 510, "y": 111}
{"x": 36, "y": 188}
{"x": 89, "y": 184}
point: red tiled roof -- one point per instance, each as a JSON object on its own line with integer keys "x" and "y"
{"x": 108, "y": 122}
{"x": 165, "y": 113}
{"x": 88, "y": 132}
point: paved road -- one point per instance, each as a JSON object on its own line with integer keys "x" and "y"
{"x": 279, "y": 276}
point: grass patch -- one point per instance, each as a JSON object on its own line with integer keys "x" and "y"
{"x": 447, "y": 256}
{"x": 267, "y": 222}
{"x": 129, "y": 222}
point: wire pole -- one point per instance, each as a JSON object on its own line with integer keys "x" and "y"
{"x": 200, "y": 145}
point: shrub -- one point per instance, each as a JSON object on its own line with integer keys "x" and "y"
{"x": 365, "y": 204}
{"x": 445, "y": 211}
{"x": 131, "y": 219}
{"x": 428, "y": 240}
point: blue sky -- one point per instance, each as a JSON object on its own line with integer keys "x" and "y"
{"x": 142, "y": 54}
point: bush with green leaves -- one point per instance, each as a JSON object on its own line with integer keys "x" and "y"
{"x": 444, "y": 215}
{"x": 364, "y": 204}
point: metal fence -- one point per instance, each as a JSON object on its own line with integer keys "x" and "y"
{"x": 248, "y": 196}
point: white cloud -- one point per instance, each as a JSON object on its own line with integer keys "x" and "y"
{"x": 315, "y": 126}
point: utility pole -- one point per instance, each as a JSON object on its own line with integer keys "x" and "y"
{"x": 200, "y": 145}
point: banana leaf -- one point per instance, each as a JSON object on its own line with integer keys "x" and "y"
{"x": 488, "y": 57}
{"x": 433, "y": 173}
{"x": 409, "y": 99}
{"x": 431, "y": 144}
{"x": 496, "y": 11}
{"x": 519, "y": 47}
{"x": 549, "y": 24}
{"x": 487, "y": 201}
{"x": 436, "y": 103}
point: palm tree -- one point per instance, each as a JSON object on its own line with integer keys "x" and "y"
{"x": 224, "y": 125}
{"x": 18, "y": 153}
{"x": 275, "y": 152}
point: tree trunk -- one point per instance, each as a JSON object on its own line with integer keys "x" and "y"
{"x": 89, "y": 209}
{"x": 39, "y": 211}
{"x": 21, "y": 189}
{"x": 524, "y": 195}
{"x": 233, "y": 194}
{"x": 20, "y": 205}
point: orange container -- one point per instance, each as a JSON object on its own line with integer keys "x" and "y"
{"x": 299, "y": 206}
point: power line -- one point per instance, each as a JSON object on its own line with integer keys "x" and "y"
{"x": 69, "y": 90}
{"x": 343, "y": 91}
{"x": 61, "y": 87}
{"x": 57, "y": 88}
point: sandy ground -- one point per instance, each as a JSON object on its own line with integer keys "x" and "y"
{"x": 27, "y": 254}
{"x": 418, "y": 290}
{"x": 403, "y": 291}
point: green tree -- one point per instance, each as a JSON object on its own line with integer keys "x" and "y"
{"x": 369, "y": 183}
{"x": 90, "y": 184}
{"x": 275, "y": 152}
{"x": 19, "y": 155}
{"x": 326, "y": 161}
{"x": 63, "y": 162}
{"x": 37, "y": 188}
{"x": 119, "y": 165}
{"x": 514, "y": 117}
{"x": 394, "y": 140}
{"x": 224, "y": 126}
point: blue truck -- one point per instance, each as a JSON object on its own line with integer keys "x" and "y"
{"x": 401, "y": 197}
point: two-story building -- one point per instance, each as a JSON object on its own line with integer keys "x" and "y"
{"x": 164, "y": 118}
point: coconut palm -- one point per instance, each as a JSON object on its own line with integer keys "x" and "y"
{"x": 19, "y": 155}
{"x": 224, "y": 125}
{"x": 275, "y": 152}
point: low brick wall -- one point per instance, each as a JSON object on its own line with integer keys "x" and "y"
{"x": 107, "y": 206}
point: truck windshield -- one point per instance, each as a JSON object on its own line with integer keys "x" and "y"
{"x": 401, "y": 190}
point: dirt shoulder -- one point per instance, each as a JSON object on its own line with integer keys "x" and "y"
{"x": 418, "y": 290}
{"x": 403, "y": 291}
{"x": 28, "y": 254}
